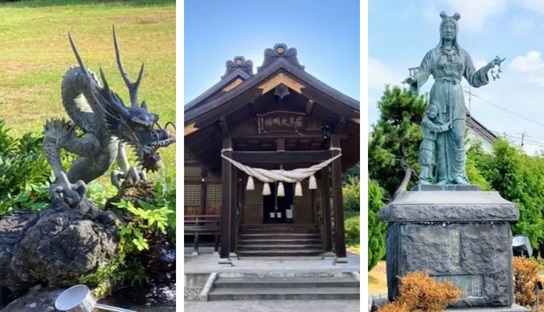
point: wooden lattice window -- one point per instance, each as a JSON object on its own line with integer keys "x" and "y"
{"x": 191, "y": 171}
{"x": 192, "y": 195}
{"x": 191, "y": 199}
{"x": 214, "y": 199}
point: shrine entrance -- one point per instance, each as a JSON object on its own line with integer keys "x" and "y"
{"x": 278, "y": 209}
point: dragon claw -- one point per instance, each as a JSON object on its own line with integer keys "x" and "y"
{"x": 132, "y": 177}
{"x": 71, "y": 194}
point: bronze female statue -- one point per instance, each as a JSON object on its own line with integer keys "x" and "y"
{"x": 448, "y": 63}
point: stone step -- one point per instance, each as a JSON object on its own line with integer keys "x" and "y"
{"x": 295, "y": 282}
{"x": 279, "y": 241}
{"x": 301, "y": 293}
{"x": 293, "y": 246}
{"x": 278, "y": 230}
{"x": 285, "y": 274}
{"x": 279, "y": 253}
{"x": 278, "y": 235}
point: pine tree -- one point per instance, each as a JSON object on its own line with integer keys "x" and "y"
{"x": 396, "y": 132}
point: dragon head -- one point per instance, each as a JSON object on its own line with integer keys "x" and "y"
{"x": 134, "y": 125}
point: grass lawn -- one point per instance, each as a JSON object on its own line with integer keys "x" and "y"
{"x": 35, "y": 53}
{"x": 355, "y": 248}
{"x": 377, "y": 279}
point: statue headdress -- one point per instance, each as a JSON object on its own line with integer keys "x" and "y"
{"x": 452, "y": 19}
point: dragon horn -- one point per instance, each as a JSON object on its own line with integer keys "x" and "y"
{"x": 78, "y": 57}
{"x": 132, "y": 86}
{"x": 104, "y": 81}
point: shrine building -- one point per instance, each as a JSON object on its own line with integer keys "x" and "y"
{"x": 265, "y": 154}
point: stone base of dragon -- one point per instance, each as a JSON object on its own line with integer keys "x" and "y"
{"x": 107, "y": 127}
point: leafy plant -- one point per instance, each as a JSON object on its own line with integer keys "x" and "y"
{"x": 351, "y": 193}
{"x": 145, "y": 219}
{"x": 24, "y": 172}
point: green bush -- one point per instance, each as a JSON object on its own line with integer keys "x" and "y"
{"x": 24, "y": 172}
{"x": 376, "y": 228}
{"x": 352, "y": 226}
{"x": 351, "y": 192}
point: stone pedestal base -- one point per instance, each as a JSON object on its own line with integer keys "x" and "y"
{"x": 513, "y": 308}
{"x": 377, "y": 303}
{"x": 462, "y": 236}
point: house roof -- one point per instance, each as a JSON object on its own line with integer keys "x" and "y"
{"x": 480, "y": 129}
{"x": 234, "y": 99}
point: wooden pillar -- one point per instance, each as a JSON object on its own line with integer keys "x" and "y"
{"x": 233, "y": 211}
{"x": 338, "y": 202}
{"x": 226, "y": 202}
{"x": 326, "y": 202}
{"x": 203, "y": 192}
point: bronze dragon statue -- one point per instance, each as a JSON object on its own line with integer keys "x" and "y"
{"x": 108, "y": 126}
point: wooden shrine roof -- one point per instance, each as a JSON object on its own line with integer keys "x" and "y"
{"x": 240, "y": 95}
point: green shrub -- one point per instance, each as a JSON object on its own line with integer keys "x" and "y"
{"x": 352, "y": 226}
{"x": 376, "y": 228}
{"x": 351, "y": 192}
{"x": 24, "y": 172}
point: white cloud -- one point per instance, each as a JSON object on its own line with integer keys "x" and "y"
{"x": 479, "y": 63}
{"x": 521, "y": 26}
{"x": 530, "y": 62}
{"x": 533, "y": 5}
{"x": 539, "y": 81}
{"x": 380, "y": 74}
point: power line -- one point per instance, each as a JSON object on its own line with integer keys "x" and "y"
{"x": 502, "y": 108}
{"x": 524, "y": 140}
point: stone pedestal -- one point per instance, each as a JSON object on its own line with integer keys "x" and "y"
{"x": 452, "y": 233}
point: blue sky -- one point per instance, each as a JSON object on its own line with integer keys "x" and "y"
{"x": 325, "y": 34}
{"x": 401, "y": 32}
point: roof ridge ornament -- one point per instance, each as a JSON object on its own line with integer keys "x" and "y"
{"x": 239, "y": 62}
{"x": 280, "y": 50}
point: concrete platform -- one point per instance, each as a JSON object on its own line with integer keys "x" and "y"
{"x": 207, "y": 264}
{"x": 273, "y": 306}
